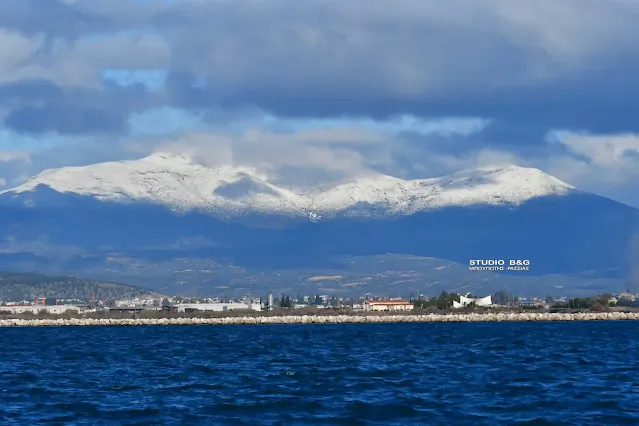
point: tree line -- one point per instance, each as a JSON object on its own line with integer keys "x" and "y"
{"x": 286, "y": 302}
{"x": 595, "y": 303}
{"x": 442, "y": 302}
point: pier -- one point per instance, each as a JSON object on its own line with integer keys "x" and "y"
{"x": 324, "y": 319}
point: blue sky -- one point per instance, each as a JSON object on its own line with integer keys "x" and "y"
{"x": 414, "y": 88}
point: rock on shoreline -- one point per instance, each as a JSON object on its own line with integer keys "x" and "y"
{"x": 328, "y": 319}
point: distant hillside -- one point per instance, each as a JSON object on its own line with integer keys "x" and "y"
{"x": 27, "y": 286}
{"x": 194, "y": 230}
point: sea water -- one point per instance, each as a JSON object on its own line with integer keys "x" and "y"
{"x": 351, "y": 374}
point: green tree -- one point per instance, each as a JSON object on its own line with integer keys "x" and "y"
{"x": 604, "y": 299}
{"x": 443, "y": 301}
{"x": 580, "y": 303}
{"x": 425, "y": 302}
{"x": 288, "y": 303}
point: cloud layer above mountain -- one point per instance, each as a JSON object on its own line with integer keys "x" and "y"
{"x": 410, "y": 87}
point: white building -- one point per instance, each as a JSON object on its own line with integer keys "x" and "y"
{"x": 218, "y": 307}
{"x": 628, "y": 296}
{"x": 466, "y": 301}
{"x": 388, "y": 305}
{"x": 36, "y": 309}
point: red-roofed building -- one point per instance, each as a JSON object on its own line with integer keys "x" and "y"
{"x": 388, "y": 305}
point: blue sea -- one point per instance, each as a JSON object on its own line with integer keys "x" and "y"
{"x": 573, "y": 373}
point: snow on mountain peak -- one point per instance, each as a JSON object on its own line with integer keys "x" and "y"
{"x": 168, "y": 158}
{"x": 181, "y": 184}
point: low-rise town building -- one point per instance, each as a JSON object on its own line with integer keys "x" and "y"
{"x": 45, "y": 305}
{"x": 388, "y": 305}
{"x": 36, "y": 309}
{"x": 218, "y": 307}
{"x": 628, "y": 296}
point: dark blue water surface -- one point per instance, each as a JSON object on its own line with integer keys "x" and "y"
{"x": 454, "y": 374}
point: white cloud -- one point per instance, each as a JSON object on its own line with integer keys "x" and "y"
{"x": 6, "y": 155}
{"x": 12, "y": 164}
{"x": 412, "y": 50}
{"x": 612, "y": 159}
{"x": 333, "y": 57}
{"x": 76, "y": 62}
{"x": 16, "y": 49}
{"x": 333, "y": 150}
{"x": 604, "y": 150}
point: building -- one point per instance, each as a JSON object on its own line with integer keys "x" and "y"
{"x": 36, "y": 309}
{"x": 270, "y": 305}
{"x": 476, "y": 301}
{"x": 628, "y": 296}
{"x": 131, "y": 309}
{"x": 217, "y": 307}
{"x": 535, "y": 304}
{"x": 388, "y": 305}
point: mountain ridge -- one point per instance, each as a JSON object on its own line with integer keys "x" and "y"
{"x": 184, "y": 185}
{"x": 502, "y": 213}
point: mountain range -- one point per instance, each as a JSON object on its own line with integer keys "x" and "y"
{"x": 171, "y": 223}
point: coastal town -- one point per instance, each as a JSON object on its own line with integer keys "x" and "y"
{"x": 156, "y": 304}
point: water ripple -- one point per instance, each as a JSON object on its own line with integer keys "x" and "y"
{"x": 575, "y": 373}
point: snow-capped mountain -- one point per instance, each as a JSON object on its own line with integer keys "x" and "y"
{"x": 181, "y": 184}
{"x": 168, "y": 208}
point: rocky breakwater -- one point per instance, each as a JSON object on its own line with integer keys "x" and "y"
{"x": 327, "y": 319}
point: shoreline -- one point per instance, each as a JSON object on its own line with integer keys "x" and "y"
{"x": 325, "y": 319}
